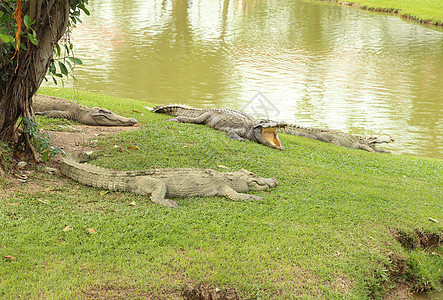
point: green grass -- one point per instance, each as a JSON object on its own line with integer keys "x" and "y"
{"x": 428, "y": 11}
{"x": 325, "y": 232}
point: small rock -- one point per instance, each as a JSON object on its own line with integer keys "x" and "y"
{"x": 21, "y": 164}
{"x": 217, "y": 290}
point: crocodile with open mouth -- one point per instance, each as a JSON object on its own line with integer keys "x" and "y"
{"x": 238, "y": 125}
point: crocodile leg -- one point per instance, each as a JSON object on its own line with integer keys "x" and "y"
{"x": 197, "y": 120}
{"x": 233, "y": 135}
{"x": 364, "y": 147}
{"x": 380, "y": 150}
{"x": 229, "y": 193}
{"x": 145, "y": 185}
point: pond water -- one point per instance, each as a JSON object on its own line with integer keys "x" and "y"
{"x": 429, "y": 296}
{"x": 305, "y": 62}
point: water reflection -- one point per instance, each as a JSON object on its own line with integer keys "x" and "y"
{"x": 323, "y": 65}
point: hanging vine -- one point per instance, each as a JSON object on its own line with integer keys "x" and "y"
{"x": 18, "y": 26}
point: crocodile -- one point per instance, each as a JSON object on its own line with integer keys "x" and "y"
{"x": 238, "y": 125}
{"x": 340, "y": 138}
{"x": 160, "y": 183}
{"x": 56, "y": 107}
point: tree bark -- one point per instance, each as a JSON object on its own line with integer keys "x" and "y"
{"x": 33, "y": 63}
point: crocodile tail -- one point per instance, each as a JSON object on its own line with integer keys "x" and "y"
{"x": 94, "y": 176}
{"x": 296, "y": 130}
{"x": 174, "y": 109}
{"x": 178, "y": 110}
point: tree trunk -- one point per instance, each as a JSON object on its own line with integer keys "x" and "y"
{"x": 51, "y": 23}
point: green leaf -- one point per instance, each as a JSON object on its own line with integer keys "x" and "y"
{"x": 73, "y": 20}
{"x": 27, "y": 21}
{"x": 57, "y": 49}
{"x": 32, "y": 38}
{"x": 82, "y": 7}
{"x": 75, "y": 60}
{"x": 68, "y": 65}
{"x": 6, "y": 38}
{"x": 63, "y": 68}
{"x": 45, "y": 156}
{"x": 52, "y": 68}
{"x": 55, "y": 80}
{"x": 67, "y": 49}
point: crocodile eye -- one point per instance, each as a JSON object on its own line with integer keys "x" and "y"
{"x": 104, "y": 111}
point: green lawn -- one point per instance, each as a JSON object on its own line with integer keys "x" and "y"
{"x": 327, "y": 231}
{"x": 428, "y": 11}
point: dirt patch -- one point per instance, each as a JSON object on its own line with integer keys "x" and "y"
{"x": 409, "y": 241}
{"x": 26, "y": 179}
{"x": 398, "y": 269}
{"x": 207, "y": 292}
{"x": 199, "y": 292}
{"x": 418, "y": 239}
{"x": 400, "y": 292}
{"x": 74, "y": 141}
{"x": 117, "y": 293}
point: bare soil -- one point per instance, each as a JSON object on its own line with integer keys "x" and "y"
{"x": 198, "y": 292}
{"x": 17, "y": 177}
{"x": 73, "y": 141}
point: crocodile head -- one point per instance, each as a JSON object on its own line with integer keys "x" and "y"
{"x": 245, "y": 181}
{"x": 378, "y": 139}
{"x": 104, "y": 117}
{"x": 265, "y": 133}
{"x": 373, "y": 140}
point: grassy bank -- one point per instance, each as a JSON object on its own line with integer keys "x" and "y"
{"x": 341, "y": 224}
{"x": 429, "y": 11}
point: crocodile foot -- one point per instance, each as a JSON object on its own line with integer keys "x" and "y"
{"x": 173, "y": 120}
{"x": 167, "y": 202}
{"x": 253, "y": 197}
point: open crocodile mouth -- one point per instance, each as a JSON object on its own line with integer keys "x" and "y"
{"x": 270, "y": 134}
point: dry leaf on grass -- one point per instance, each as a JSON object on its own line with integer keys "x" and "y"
{"x": 67, "y": 228}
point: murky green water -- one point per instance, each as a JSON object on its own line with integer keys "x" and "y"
{"x": 429, "y": 296}
{"x": 315, "y": 64}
